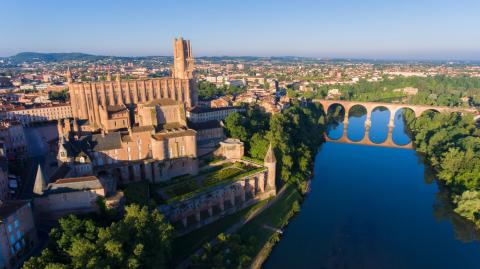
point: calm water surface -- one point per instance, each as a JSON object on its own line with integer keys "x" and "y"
{"x": 375, "y": 207}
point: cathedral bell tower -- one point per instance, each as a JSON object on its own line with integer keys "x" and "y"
{"x": 183, "y": 63}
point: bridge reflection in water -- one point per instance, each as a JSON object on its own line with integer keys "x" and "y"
{"x": 366, "y": 139}
{"x": 370, "y": 107}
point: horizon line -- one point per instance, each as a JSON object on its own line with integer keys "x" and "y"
{"x": 359, "y": 58}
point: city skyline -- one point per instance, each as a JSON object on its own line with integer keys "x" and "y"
{"x": 189, "y": 134}
{"x": 430, "y": 30}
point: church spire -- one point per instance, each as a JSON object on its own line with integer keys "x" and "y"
{"x": 109, "y": 76}
{"x": 40, "y": 182}
{"x": 271, "y": 163}
{"x": 270, "y": 156}
{"x": 119, "y": 77}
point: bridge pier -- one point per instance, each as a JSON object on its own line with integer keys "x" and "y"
{"x": 345, "y": 129}
{"x": 392, "y": 107}
{"x": 391, "y": 121}
{"x": 368, "y": 123}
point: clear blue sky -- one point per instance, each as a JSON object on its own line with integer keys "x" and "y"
{"x": 381, "y": 29}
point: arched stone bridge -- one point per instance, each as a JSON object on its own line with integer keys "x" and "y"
{"x": 392, "y": 107}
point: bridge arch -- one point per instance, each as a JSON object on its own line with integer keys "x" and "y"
{"x": 357, "y": 117}
{"x": 337, "y": 110}
{"x": 428, "y": 111}
{"x": 357, "y": 109}
{"x": 383, "y": 134}
{"x": 393, "y": 109}
{"x": 402, "y": 118}
{"x": 337, "y": 118}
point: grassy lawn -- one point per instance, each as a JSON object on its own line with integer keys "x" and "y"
{"x": 188, "y": 187}
{"x": 257, "y": 161}
{"x": 274, "y": 216}
{"x": 222, "y": 175}
{"x": 181, "y": 188}
{"x": 185, "y": 245}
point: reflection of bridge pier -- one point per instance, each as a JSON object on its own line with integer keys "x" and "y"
{"x": 370, "y": 107}
{"x": 366, "y": 139}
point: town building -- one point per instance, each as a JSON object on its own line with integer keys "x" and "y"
{"x": 4, "y": 188}
{"x": 18, "y": 235}
{"x": 204, "y": 114}
{"x": 209, "y": 135}
{"x": 72, "y": 195}
{"x": 143, "y": 139}
{"x": 37, "y": 114}
{"x": 13, "y": 137}
{"x": 252, "y": 183}
{"x": 90, "y": 99}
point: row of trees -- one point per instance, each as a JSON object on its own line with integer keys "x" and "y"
{"x": 295, "y": 134}
{"x": 61, "y": 96}
{"x": 451, "y": 146}
{"x": 230, "y": 251}
{"x": 208, "y": 90}
{"x": 140, "y": 239}
{"x": 433, "y": 90}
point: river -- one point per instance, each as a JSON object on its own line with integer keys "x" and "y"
{"x": 375, "y": 207}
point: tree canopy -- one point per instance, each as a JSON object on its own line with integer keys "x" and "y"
{"x": 451, "y": 145}
{"x": 61, "y": 96}
{"x": 231, "y": 251}
{"x": 141, "y": 239}
{"x": 208, "y": 90}
{"x": 295, "y": 134}
{"x": 432, "y": 90}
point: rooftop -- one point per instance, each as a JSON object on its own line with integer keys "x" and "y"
{"x": 172, "y": 133}
{"x": 107, "y": 142}
{"x": 7, "y": 208}
{"x": 125, "y": 80}
{"x": 198, "y": 109}
{"x": 205, "y": 125}
{"x": 75, "y": 184}
{"x": 116, "y": 108}
{"x": 162, "y": 102}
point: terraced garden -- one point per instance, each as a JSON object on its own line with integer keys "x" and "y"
{"x": 187, "y": 186}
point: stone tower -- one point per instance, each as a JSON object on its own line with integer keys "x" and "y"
{"x": 183, "y": 63}
{"x": 69, "y": 76}
{"x": 62, "y": 155}
{"x": 40, "y": 182}
{"x": 271, "y": 163}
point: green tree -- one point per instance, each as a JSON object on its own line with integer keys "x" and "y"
{"x": 234, "y": 124}
{"x": 258, "y": 146}
{"x": 141, "y": 239}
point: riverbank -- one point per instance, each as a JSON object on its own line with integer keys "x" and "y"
{"x": 373, "y": 207}
{"x": 265, "y": 228}
{"x": 274, "y": 238}
{"x": 192, "y": 243}
{"x": 450, "y": 144}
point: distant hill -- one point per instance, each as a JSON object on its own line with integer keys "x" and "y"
{"x": 53, "y": 57}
